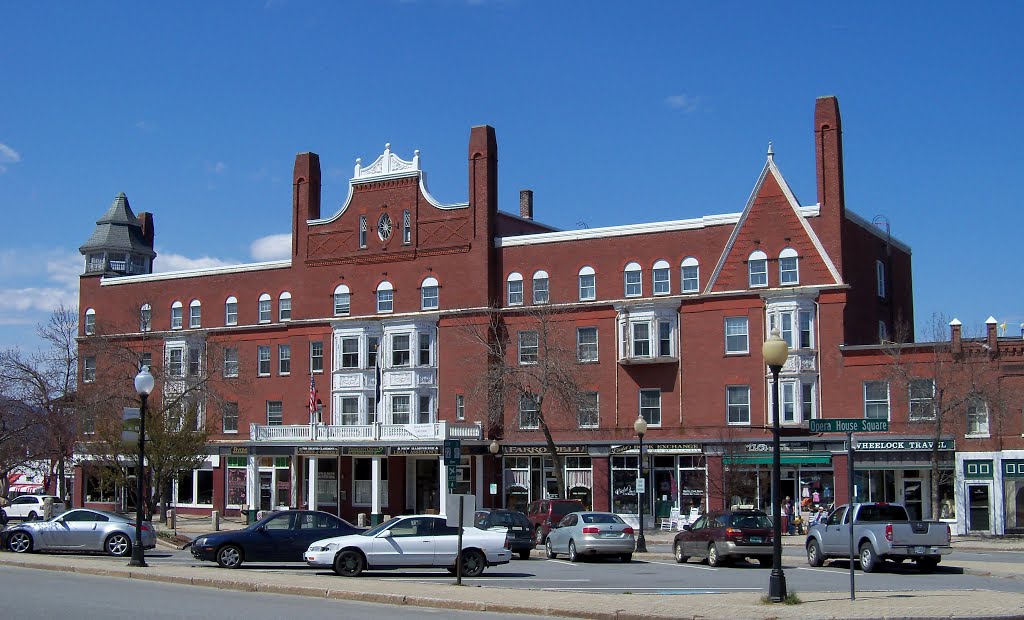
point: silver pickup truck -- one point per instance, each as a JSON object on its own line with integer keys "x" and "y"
{"x": 880, "y": 532}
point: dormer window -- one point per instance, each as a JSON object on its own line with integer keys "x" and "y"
{"x": 515, "y": 289}
{"x": 661, "y": 280}
{"x": 789, "y": 273}
{"x": 757, "y": 267}
{"x": 632, "y": 276}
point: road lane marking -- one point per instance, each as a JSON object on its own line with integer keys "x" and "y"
{"x": 449, "y": 577}
{"x": 822, "y": 570}
{"x": 563, "y": 562}
{"x": 686, "y": 564}
{"x": 662, "y": 589}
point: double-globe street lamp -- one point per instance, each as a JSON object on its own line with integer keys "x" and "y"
{"x": 144, "y": 386}
{"x": 494, "y": 448}
{"x": 640, "y": 427}
{"x": 775, "y": 352}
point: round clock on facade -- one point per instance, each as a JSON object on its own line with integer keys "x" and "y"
{"x": 384, "y": 227}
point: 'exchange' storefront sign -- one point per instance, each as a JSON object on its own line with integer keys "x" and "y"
{"x": 660, "y": 448}
{"x": 903, "y": 444}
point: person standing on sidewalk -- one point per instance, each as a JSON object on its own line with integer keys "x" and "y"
{"x": 787, "y": 516}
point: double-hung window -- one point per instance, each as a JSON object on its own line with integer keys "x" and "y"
{"x": 736, "y": 340}
{"x": 691, "y": 275}
{"x": 737, "y": 400}
{"x": 586, "y": 344}
{"x": 195, "y": 314}
{"x": 641, "y": 340}
{"x": 529, "y": 344}
{"x": 231, "y": 362}
{"x": 587, "y": 410}
{"x": 264, "y": 308}
{"x": 284, "y": 359}
{"x": 650, "y": 406}
{"x": 424, "y": 350}
{"x": 89, "y": 369}
{"x": 977, "y": 416}
{"x": 176, "y": 362}
{"x": 788, "y": 404}
{"x": 385, "y": 297}
{"x": 757, "y": 268}
{"x": 633, "y": 277}
{"x": 145, "y": 318}
{"x": 316, "y": 356}
{"x": 284, "y": 306}
{"x": 789, "y": 273}
{"x": 400, "y": 408}
{"x": 922, "y": 399}
{"x": 664, "y": 339}
{"x": 806, "y": 342}
{"x": 195, "y": 361}
{"x": 401, "y": 355}
{"x": 876, "y": 400}
{"x": 807, "y": 401}
{"x": 661, "y": 280}
{"x": 428, "y": 294}
{"x": 588, "y": 284}
{"x": 275, "y": 413}
{"x": 231, "y": 311}
{"x": 350, "y": 352}
{"x": 90, "y": 322}
{"x": 263, "y": 360}
{"x": 515, "y": 289}
{"x": 540, "y": 288}
{"x": 229, "y": 413}
{"x": 528, "y": 414}
{"x": 424, "y": 412}
{"x": 349, "y": 411}
{"x": 176, "y": 315}
{"x": 372, "y": 347}
{"x": 460, "y": 406}
{"x": 342, "y": 300}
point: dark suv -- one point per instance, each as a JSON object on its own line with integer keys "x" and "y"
{"x": 723, "y": 536}
{"x": 544, "y": 514}
{"x": 520, "y": 534}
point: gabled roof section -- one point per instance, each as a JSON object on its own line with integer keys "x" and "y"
{"x": 118, "y": 230}
{"x": 772, "y": 210}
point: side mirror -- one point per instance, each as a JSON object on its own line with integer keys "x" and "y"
{"x": 384, "y": 534}
{"x": 261, "y": 528}
{"x": 686, "y": 528}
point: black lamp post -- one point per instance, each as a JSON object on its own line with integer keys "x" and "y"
{"x": 775, "y": 352}
{"x": 143, "y": 385}
{"x": 494, "y": 448}
{"x": 640, "y": 426}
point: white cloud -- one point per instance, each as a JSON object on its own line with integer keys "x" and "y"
{"x": 166, "y": 261}
{"x": 23, "y": 300}
{"x": 686, "y": 103}
{"x": 216, "y": 167}
{"x": 146, "y": 126}
{"x": 271, "y": 247}
{"x": 7, "y": 156}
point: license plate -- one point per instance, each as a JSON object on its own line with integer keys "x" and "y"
{"x": 920, "y": 549}
{"x": 610, "y": 535}
{"x": 518, "y": 528}
{"x": 755, "y": 539}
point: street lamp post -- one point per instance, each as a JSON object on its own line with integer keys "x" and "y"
{"x": 775, "y": 352}
{"x": 143, "y": 385}
{"x": 640, "y": 426}
{"x": 494, "y": 448}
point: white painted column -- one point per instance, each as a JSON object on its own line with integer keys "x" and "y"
{"x": 252, "y": 484}
{"x": 295, "y": 473}
{"x": 443, "y": 482}
{"x": 311, "y": 486}
{"x": 479, "y": 469}
{"x": 375, "y": 489}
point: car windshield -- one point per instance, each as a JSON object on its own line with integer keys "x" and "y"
{"x": 601, "y": 518}
{"x": 380, "y": 528}
{"x": 750, "y": 521}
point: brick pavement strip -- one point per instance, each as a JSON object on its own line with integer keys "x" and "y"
{"x": 816, "y": 605}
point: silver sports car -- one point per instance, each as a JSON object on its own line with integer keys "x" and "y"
{"x": 82, "y": 529}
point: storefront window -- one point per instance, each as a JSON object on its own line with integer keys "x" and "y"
{"x": 874, "y": 485}
{"x": 947, "y": 505}
{"x": 363, "y": 480}
{"x": 624, "y": 496}
{"x": 579, "y": 479}
{"x": 816, "y": 489}
{"x": 692, "y": 485}
{"x": 99, "y": 485}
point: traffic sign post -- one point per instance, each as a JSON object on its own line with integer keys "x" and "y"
{"x": 452, "y": 452}
{"x": 453, "y": 477}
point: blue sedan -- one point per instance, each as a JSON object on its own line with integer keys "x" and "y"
{"x": 279, "y": 537}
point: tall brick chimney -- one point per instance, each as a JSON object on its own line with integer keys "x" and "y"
{"x": 955, "y": 337}
{"x": 991, "y": 336}
{"x": 526, "y": 204}
{"x": 828, "y": 153}
{"x": 305, "y": 198}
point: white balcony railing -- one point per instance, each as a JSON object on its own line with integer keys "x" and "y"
{"x": 365, "y": 432}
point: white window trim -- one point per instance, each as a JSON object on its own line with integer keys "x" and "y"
{"x": 177, "y": 321}
{"x": 259, "y": 349}
{"x": 341, "y": 289}
{"x": 789, "y": 253}
{"x": 688, "y": 262}
{"x": 90, "y": 322}
{"x": 227, "y": 316}
{"x": 888, "y": 399}
{"x": 427, "y": 284}
{"x": 285, "y": 296}
{"x": 541, "y": 276}
{"x": 385, "y": 289}
{"x": 728, "y": 404}
{"x": 597, "y": 413}
{"x": 198, "y": 322}
{"x": 586, "y": 271}
{"x": 632, "y": 268}
{"x": 757, "y": 256}
{"x": 911, "y": 400}
{"x": 665, "y": 269}
{"x": 640, "y": 406}
{"x": 264, "y": 298}
{"x": 725, "y": 330}
{"x": 515, "y": 276}
{"x": 597, "y": 348}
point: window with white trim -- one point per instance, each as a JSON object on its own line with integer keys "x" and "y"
{"x": 586, "y": 344}
{"x": 515, "y": 289}
{"x": 428, "y": 294}
{"x": 342, "y": 300}
{"x": 231, "y": 311}
{"x": 633, "y": 277}
{"x": 176, "y": 310}
{"x": 736, "y": 340}
{"x": 540, "y": 288}
{"x": 529, "y": 417}
{"x": 880, "y": 284}
{"x": 195, "y": 360}
{"x": 587, "y": 284}
{"x": 401, "y": 356}
{"x": 647, "y": 334}
{"x": 757, "y": 268}
{"x": 400, "y": 408}
{"x": 588, "y": 410}
{"x": 660, "y": 278}
{"x": 977, "y": 416}
{"x": 350, "y": 352}
{"x": 195, "y": 314}
{"x": 460, "y": 406}
{"x": 229, "y": 414}
{"x": 371, "y": 410}
{"x": 640, "y": 342}
{"x": 263, "y": 360}
{"x": 145, "y": 318}
{"x": 737, "y": 403}
{"x": 529, "y": 345}
{"x": 922, "y": 399}
{"x": 425, "y": 410}
{"x": 385, "y": 297}
{"x": 316, "y": 356}
{"x": 425, "y": 349}
{"x": 876, "y": 400}
{"x": 348, "y": 410}
{"x": 176, "y": 361}
{"x": 807, "y": 401}
{"x": 264, "y": 308}
{"x": 787, "y": 407}
{"x": 89, "y": 369}
{"x": 406, "y": 227}
{"x": 806, "y": 334}
{"x": 372, "y": 348}
{"x": 691, "y": 275}
{"x": 284, "y": 359}
{"x": 650, "y": 406}
{"x": 284, "y": 306}
{"x": 275, "y": 413}
{"x": 789, "y": 271}
{"x": 90, "y": 322}
{"x": 231, "y": 362}
{"x": 362, "y": 231}
{"x": 664, "y": 339}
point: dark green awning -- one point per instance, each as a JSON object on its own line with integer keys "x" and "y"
{"x": 787, "y": 459}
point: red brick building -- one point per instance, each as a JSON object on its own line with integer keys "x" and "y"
{"x": 378, "y": 303}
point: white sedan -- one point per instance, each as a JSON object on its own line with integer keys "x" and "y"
{"x": 416, "y": 541}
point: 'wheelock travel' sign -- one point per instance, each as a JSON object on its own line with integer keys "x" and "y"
{"x": 903, "y": 444}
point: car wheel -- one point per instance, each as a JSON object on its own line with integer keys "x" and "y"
{"x": 32, "y": 516}
{"x": 868, "y": 559}
{"x": 677, "y": 550}
{"x": 926, "y": 565}
{"x": 349, "y": 563}
{"x": 573, "y": 557}
{"x": 626, "y": 558}
{"x": 548, "y": 551}
{"x": 524, "y": 555}
{"x": 20, "y": 542}
{"x": 118, "y": 545}
{"x": 814, "y": 556}
{"x": 538, "y": 536}
{"x": 714, "y": 559}
{"x": 473, "y": 563}
{"x": 229, "y": 556}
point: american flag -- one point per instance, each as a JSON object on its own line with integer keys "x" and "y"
{"x": 313, "y": 396}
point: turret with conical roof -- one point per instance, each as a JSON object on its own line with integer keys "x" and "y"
{"x": 122, "y": 243}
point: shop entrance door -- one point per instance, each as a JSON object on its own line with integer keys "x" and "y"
{"x": 913, "y": 498}
{"x": 266, "y": 490}
{"x": 428, "y": 480}
{"x": 978, "y": 508}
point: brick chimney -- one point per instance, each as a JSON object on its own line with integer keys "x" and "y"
{"x": 991, "y": 335}
{"x": 148, "y": 232}
{"x": 828, "y": 142}
{"x": 526, "y": 204}
{"x": 955, "y": 339}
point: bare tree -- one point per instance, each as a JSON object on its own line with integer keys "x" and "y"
{"x": 21, "y": 439}
{"x": 533, "y": 368}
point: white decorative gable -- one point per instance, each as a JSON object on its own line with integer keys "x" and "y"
{"x": 388, "y": 164}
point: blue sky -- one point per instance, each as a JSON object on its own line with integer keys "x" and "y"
{"x": 613, "y": 113}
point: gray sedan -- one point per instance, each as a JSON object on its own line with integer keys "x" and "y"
{"x": 591, "y": 533}
{"x": 82, "y": 529}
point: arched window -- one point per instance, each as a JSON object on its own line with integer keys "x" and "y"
{"x": 264, "y": 308}
{"x": 661, "y": 280}
{"x": 385, "y": 297}
{"x": 541, "y": 294}
{"x": 284, "y": 306}
{"x": 515, "y": 289}
{"x": 342, "y": 300}
{"x": 691, "y": 275}
{"x": 231, "y": 311}
{"x": 588, "y": 284}
{"x": 195, "y": 314}
{"x": 145, "y": 318}
{"x": 176, "y": 315}
{"x": 757, "y": 268}
{"x": 634, "y": 285}
{"x": 428, "y": 294}
{"x": 789, "y": 272}
{"x": 90, "y": 322}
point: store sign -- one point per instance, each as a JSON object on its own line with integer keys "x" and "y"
{"x": 543, "y": 449}
{"x": 660, "y": 448}
{"x": 240, "y": 451}
{"x": 365, "y": 451}
{"x": 903, "y": 444}
{"x": 802, "y": 446}
{"x": 848, "y": 425}
{"x": 318, "y": 451}
{"x": 420, "y": 450}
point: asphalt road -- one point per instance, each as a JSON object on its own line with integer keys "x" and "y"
{"x": 664, "y": 576}
{"x": 51, "y": 594}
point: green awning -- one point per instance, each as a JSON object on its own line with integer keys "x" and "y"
{"x": 786, "y": 459}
